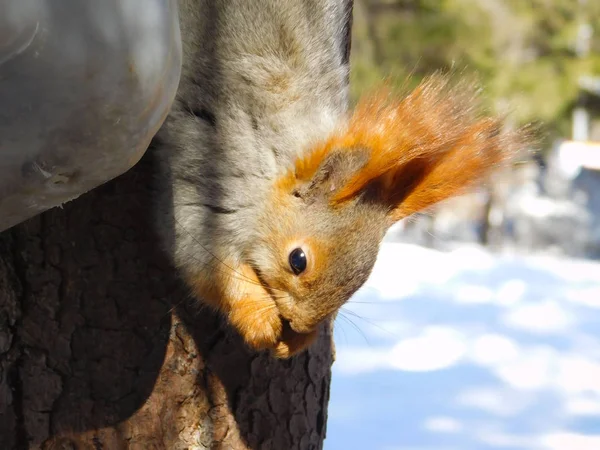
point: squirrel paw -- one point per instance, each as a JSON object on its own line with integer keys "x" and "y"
{"x": 261, "y": 327}
{"x": 258, "y": 322}
{"x": 293, "y": 343}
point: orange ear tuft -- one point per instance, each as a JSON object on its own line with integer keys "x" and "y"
{"x": 424, "y": 148}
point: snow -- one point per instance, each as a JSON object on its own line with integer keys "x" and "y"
{"x": 573, "y": 155}
{"x": 468, "y": 350}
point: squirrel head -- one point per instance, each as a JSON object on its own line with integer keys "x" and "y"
{"x": 319, "y": 234}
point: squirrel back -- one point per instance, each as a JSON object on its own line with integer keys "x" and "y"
{"x": 273, "y": 200}
{"x": 260, "y": 81}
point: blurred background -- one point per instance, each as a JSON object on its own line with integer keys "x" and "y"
{"x": 478, "y": 328}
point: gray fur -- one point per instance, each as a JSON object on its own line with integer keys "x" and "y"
{"x": 231, "y": 48}
{"x": 261, "y": 81}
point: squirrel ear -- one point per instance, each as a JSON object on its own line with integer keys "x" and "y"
{"x": 423, "y": 148}
{"x": 468, "y": 159}
{"x": 410, "y": 153}
{"x": 336, "y": 168}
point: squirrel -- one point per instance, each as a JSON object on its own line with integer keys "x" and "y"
{"x": 274, "y": 197}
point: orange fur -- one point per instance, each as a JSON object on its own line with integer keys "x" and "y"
{"x": 293, "y": 343}
{"x": 425, "y": 147}
{"x": 237, "y": 292}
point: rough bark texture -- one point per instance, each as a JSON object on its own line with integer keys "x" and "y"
{"x": 100, "y": 347}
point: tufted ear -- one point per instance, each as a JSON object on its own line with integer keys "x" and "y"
{"x": 442, "y": 171}
{"x": 334, "y": 172}
{"x": 410, "y": 153}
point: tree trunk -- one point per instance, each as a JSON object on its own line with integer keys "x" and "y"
{"x": 101, "y": 348}
{"x": 485, "y": 226}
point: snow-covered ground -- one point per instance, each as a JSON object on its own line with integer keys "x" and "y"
{"x": 469, "y": 351}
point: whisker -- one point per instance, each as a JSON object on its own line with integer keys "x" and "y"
{"x": 173, "y": 307}
{"x": 341, "y": 327}
{"x": 356, "y": 327}
{"x": 217, "y": 258}
{"x": 354, "y": 314}
{"x": 241, "y": 277}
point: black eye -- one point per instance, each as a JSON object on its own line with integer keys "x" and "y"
{"x": 298, "y": 261}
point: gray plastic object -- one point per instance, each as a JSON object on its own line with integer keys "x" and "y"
{"x": 84, "y": 86}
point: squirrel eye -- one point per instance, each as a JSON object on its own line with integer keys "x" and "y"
{"x": 297, "y": 261}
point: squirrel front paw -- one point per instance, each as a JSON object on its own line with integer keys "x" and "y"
{"x": 258, "y": 322}
{"x": 253, "y": 312}
{"x": 293, "y": 343}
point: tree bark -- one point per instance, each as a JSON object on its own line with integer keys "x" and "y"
{"x": 101, "y": 347}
